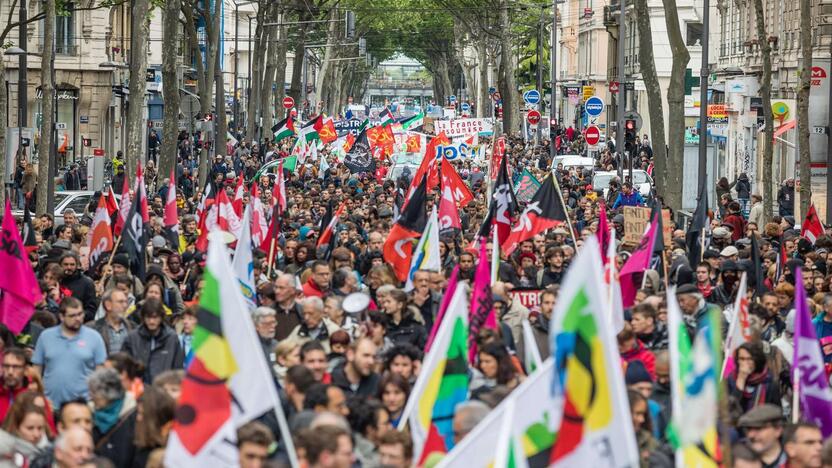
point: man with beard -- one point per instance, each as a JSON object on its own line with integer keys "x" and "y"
{"x": 67, "y": 354}
{"x": 14, "y": 379}
{"x": 82, "y": 287}
{"x": 357, "y": 376}
{"x": 539, "y": 320}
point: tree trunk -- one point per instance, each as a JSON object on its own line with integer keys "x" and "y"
{"x": 326, "y": 64}
{"x": 257, "y": 51}
{"x": 654, "y": 94}
{"x": 508, "y": 66}
{"x": 170, "y": 93}
{"x": 266, "y": 96}
{"x": 484, "y": 100}
{"x": 297, "y": 65}
{"x": 4, "y": 115}
{"x": 674, "y": 152}
{"x": 139, "y": 29}
{"x": 280, "y": 75}
{"x": 803, "y": 107}
{"x": 765, "y": 93}
{"x": 48, "y": 121}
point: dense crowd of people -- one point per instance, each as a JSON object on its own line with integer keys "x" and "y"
{"x": 94, "y": 378}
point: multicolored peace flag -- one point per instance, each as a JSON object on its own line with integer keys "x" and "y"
{"x": 594, "y": 426}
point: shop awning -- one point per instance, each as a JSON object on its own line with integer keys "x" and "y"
{"x": 785, "y": 127}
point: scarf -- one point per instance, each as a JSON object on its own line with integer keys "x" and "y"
{"x": 756, "y": 385}
{"x": 107, "y": 417}
{"x": 705, "y": 289}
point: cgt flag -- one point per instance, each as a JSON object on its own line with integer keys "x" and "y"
{"x": 811, "y": 228}
{"x": 543, "y": 212}
{"x": 100, "y": 236}
{"x": 398, "y": 248}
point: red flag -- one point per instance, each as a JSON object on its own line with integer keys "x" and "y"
{"x": 123, "y": 208}
{"x": 141, "y": 190}
{"x": 238, "y": 197}
{"x": 112, "y": 203}
{"x": 331, "y": 220}
{"x": 381, "y": 137}
{"x": 327, "y": 132}
{"x": 497, "y": 154}
{"x": 100, "y": 236}
{"x": 638, "y": 262}
{"x": 543, "y": 212}
{"x": 811, "y": 227}
{"x": 19, "y": 287}
{"x": 206, "y": 221}
{"x": 428, "y": 166}
{"x": 414, "y": 143}
{"x": 398, "y": 248}
{"x": 258, "y": 218}
{"x": 462, "y": 194}
{"x": 227, "y": 219}
{"x": 171, "y": 214}
{"x": 448, "y": 211}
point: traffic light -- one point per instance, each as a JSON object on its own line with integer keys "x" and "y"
{"x": 630, "y": 135}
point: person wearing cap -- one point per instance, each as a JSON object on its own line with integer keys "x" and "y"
{"x": 171, "y": 296}
{"x": 121, "y": 266}
{"x": 763, "y": 427}
{"x": 725, "y": 292}
{"x": 720, "y": 237}
{"x": 639, "y": 380}
{"x": 695, "y": 309}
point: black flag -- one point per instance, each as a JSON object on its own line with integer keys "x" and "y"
{"x": 359, "y": 158}
{"x": 503, "y": 206}
{"x": 134, "y": 237}
{"x": 698, "y": 228}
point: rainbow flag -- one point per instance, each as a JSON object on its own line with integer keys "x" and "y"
{"x": 525, "y": 434}
{"x": 694, "y": 383}
{"x": 588, "y": 379}
{"x": 442, "y": 383}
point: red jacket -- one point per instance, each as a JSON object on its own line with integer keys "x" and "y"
{"x": 7, "y": 397}
{"x": 737, "y": 224}
{"x": 641, "y": 353}
{"x": 310, "y": 288}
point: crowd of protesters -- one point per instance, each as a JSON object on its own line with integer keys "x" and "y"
{"x": 93, "y": 379}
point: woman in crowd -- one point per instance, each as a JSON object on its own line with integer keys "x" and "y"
{"x": 751, "y": 383}
{"x": 393, "y": 393}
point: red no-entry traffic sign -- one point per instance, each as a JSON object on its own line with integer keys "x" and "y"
{"x": 533, "y": 117}
{"x": 288, "y": 102}
{"x": 592, "y": 135}
{"x": 613, "y": 87}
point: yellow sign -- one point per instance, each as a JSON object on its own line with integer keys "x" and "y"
{"x": 589, "y": 91}
{"x": 780, "y": 111}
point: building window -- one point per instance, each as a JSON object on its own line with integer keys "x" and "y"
{"x": 694, "y": 34}
{"x": 65, "y": 32}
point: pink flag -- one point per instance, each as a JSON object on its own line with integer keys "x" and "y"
{"x": 603, "y": 233}
{"x": 19, "y": 287}
{"x": 446, "y": 299}
{"x": 482, "y": 303}
{"x": 638, "y": 262}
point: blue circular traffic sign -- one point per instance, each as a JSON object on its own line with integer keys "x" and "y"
{"x": 594, "y": 106}
{"x": 452, "y": 98}
{"x": 531, "y": 96}
{"x": 465, "y": 107}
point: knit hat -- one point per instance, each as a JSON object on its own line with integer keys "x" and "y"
{"x": 122, "y": 259}
{"x": 637, "y": 373}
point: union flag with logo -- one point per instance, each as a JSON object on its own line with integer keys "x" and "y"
{"x": 382, "y": 138}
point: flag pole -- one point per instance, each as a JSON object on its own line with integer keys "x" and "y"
{"x": 796, "y": 396}
{"x": 565, "y": 210}
{"x": 271, "y": 257}
{"x": 115, "y": 247}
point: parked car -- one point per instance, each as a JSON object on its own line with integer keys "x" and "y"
{"x": 573, "y": 160}
{"x": 641, "y": 180}
{"x": 75, "y": 199}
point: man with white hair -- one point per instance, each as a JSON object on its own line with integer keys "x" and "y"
{"x": 288, "y": 310}
{"x": 466, "y": 417}
{"x": 314, "y": 326}
{"x": 265, "y": 322}
{"x": 73, "y": 447}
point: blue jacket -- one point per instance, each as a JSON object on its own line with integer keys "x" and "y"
{"x": 633, "y": 199}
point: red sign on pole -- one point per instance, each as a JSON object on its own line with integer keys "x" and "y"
{"x": 613, "y": 87}
{"x": 288, "y": 102}
{"x": 533, "y": 117}
{"x": 592, "y": 135}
